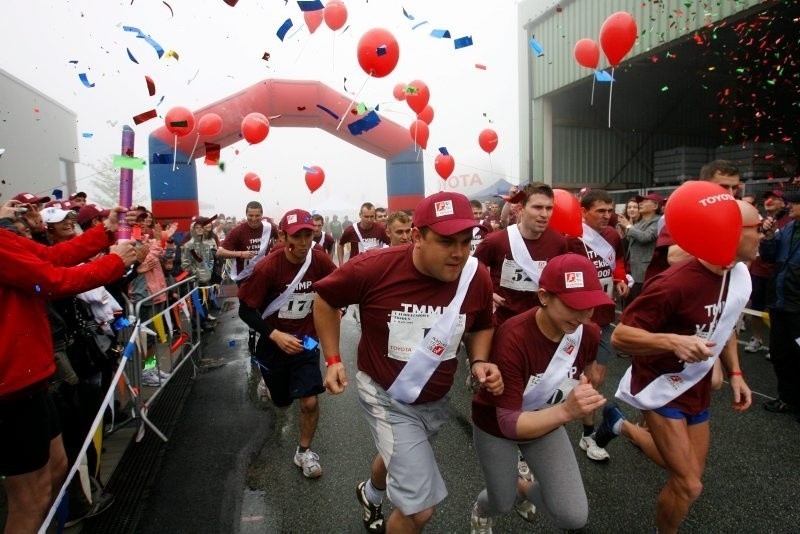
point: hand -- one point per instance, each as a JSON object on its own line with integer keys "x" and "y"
{"x": 247, "y": 254}
{"x": 692, "y": 349}
{"x": 622, "y": 220}
{"x": 112, "y": 222}
{"x": 286, "y": 342}
{"x": 126, "y": 251}
{"x": 142, "y": 252}
{"x": 10, "y": 209}
{"x": 488, "y": 376}
{"x": 768, "y": 225}
{"x": 498, "y": 300}
{"x": 170, "y": 230}
{"x": 742, "y": 396}
{"x": 622, "y": 288}
{"x": 335, "y": 378}
{"x": 583, "y": 399}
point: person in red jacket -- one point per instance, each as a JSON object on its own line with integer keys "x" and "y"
{"x": 32, "y": 456}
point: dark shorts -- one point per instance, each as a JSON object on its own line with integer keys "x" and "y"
{"x": 28, "y": 423}
{"x": 674, "y": 413}
{"x": 290, "y": 377}
{"x": 758, "y": 295}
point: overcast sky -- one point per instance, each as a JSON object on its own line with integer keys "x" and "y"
{"x": 220, "y": 51}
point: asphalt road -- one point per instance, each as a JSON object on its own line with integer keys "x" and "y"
{"x": 228, "y": 467}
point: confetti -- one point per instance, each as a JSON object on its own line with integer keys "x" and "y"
{"x": 146, "y": 116}
{"x": 85, "y": 80}
{"x": 364, "y": 124}
{"x": 151, "y": 87}
{"x": 281, "y": 33}
{"x": 329, "y": 112}
{"x": 462, "y": 42}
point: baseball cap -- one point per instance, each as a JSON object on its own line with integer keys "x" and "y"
{"x": 446, "y": 213}
{"x": 655, "y": 197}
{"x": 296, "y": 220}
{"x": 28, "y": 198}
{"x": 89, "y": 212}
{"x": 573, "y": 278}
{"x": 204, "y": 220}
{"x": 60, "y": 204}
{"x": 54, "y": 215}
{"x": 80, "y": 194}
{"x": 777, "y": 193}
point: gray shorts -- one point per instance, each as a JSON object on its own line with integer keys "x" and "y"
{"x": 402, "y": 434}
{"x": 604, "y": 349}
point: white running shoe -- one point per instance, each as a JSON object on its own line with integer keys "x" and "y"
{"x": 478, "y": 524}
{"x": 754, "y": 345}
{"x": 309, "y": 462}
{"x": 525, "y": 509}
{"x": 151, "y": 378}
{"x": 593, "y": 451}
{"x": 523, "y": 470}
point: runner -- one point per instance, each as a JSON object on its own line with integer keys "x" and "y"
{"x": 247, "y": 244}
{"x": 321, "y": 237}
{"x": 363, "y": 236}
{"x": 276, "y": 301}
{"x": 432, "y": 293}
{"x": 542, "y": 355}
{"x": 398, "y": 228}
{"x": 686, "y": 315}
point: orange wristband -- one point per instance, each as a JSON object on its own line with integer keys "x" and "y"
{"x": 330, "y": 360}
{"x": 735, "y": 373}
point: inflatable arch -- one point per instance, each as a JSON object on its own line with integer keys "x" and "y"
{"x": 298, "y": 103}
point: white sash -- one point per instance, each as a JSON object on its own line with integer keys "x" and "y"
{"x": 321, "y": 241}
{"x": 276, "y": 304}
{"x": 596, "y": 242}
{"x": 248, "y": 269}
{"x": 537, "y": 395}
{"x": 521, "y": 255}
{"x": 427, "y": 356}
{"x": 361, "y": 246}
{"x": 669, "y": 386}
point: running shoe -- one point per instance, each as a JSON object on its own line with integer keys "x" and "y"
{"x": 478, "y": 524}
{"x": 754, "y": 345}
{"x": 605, "y": 432}
{"x": 150, "y": 378}
{"x": 373, "y": 513}
{"x": 309, "y": 462}
{"x": 523, "y": 469}
{"x": 593, "y": 450}
{"x": 525, "y": 509}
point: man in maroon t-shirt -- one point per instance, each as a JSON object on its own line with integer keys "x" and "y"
{"x": 413, "y": 317}
{"x": 603, "y": 246}
{"x": 674, "y": 322}
{"x": 322, "y": 238}
{"x": 514, "y": 286}
{"x": 247, "y": 244}
{"x": 364, "y": 235}
{"x": 277, "y": 301}
{"x": 477, "y": 233}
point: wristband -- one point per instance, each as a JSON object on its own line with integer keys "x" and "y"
{"x": 330, "y": 360}
{"x": 473, "y": 362}
{"x": 735, "y": 373}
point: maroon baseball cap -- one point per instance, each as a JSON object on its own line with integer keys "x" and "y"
{"x": 29, "y": 198}
{"x": 573, "y": 278}
{"x": 655, "y": 197}
{"x": 60, "y": 204}
{"x": 446, "y": 213}
{"x": 296, "y": 220}
{"x": 774, "y": 193}
{"x": 89, "y": 212}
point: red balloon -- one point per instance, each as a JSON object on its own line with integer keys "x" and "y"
{"x": 444, "y": 165}
{"x": 255, "y": 128}
{"x": 335, "y": 14}
{"x": 314, "y": 179}
{"x": 179, "y": 121}
{"x": 566, "y": 217}
{"x": 252, "y": 182}
{"x": 419, "y": 133}
{"x": 426, "y": 115}
{"x": 418, "y": 97}
{"x": 617, "y": 36}
{"x": 209, "y": 124}
{"x": 587, "y": 53}
{"x": 399, "y": 91}
{"x": 313, "y": 19}
{"x": 704, "y": 220}
{"x": 378, "y": 52}
{"x": 487, "y": 139}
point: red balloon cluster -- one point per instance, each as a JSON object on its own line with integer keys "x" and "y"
{"x": 426, "y": 115}
{"x": 617, "y": 36}
{"x": 315, "y": 179}
{"x": 487, "y": 140}
{"x": 252, "y": 182}
{"x": 255, "y": 127}
{"x": 378, "y": 52}
{"x": 179, "y": 121}
{"x": 419, "y": 133}
{"x": 399, "y": 91}
{"x": 566, "y": 217}
{"x": 708, "y": 206}
{"x": 444, "y": 165}
{"x": 335, "y": 14}
{"x": 313, "y": 19}
{"x": 587, "y": 53}
{"x": 417, "y": 97}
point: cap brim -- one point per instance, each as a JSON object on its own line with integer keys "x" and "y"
{"x": 454, "y": 226}
{"x": 583, "y": 300}
{"x": 294, "y": 228}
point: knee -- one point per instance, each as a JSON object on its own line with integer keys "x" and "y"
{"x": 689, "y": 488}
{"x": 572, "y": 517}
{"x": 309, "y": 405}
{"x": 421, "y": 519}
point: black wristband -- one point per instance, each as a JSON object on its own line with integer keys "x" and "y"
{"x": 473, "y": 362}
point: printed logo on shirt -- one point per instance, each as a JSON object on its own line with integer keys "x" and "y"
{"x": 445, "y": 207}
{"x": 573, "y": 280}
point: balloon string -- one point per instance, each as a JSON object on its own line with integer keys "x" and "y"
{"x": 491, "y": 169}
{"x": 610, "y": 92}
{"x": 593, "y": 80}
{"x": 302, "y": 48}
{"x": 175, "y": 153}
{"x": 193, "y": 149}
{"x": 344, "y": 115}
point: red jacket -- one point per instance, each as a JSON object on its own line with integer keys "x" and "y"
{"x": 31, "y": 273}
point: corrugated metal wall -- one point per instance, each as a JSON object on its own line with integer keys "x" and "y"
{"x": 557, "y": 32}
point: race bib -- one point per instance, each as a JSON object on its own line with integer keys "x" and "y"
{"x": 297, "y": 307}
{"x": 514, "y": 277}
{"x": 408, "y": 329}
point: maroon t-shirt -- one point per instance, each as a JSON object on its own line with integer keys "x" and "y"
{"x": 272, "y": 276}
{"x": 495, "y": 253}
{"x": 681, "y": 300}
{"x": 521, "y": 351}
{"x": 242, "y": 237}
{"x": 398, "y": 306}
{"x": 326, "y": 241}
{"x": 603, "y": 315}
{"x": 659, "y": 262}
{"x": 373, "y": 238}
